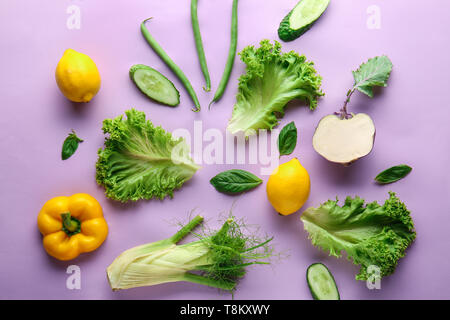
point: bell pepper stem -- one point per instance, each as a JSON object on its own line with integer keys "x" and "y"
{"x": 71, "y": 225}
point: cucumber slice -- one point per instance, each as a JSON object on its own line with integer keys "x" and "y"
{"x": 321, "y": 282}
{"x": 301, "y": 18}
{"x": 154, "y": 85}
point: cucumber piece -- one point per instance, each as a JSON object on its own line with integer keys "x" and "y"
{"x": 154, "y": 85}
{"x": 301, "y": 18}
{"x": 321, "y": 282}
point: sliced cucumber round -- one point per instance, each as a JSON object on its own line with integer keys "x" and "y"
{"x": 154, "y": 85}
{"x": 301, "y": 18}
{"x": 321, "y": 282}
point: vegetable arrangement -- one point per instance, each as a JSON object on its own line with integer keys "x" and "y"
{"x": 141, "y": 161}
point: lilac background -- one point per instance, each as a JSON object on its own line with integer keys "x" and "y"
{"x": 411, "y": 115}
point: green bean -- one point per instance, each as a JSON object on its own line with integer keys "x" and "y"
{"x": 231, "y": 55}
{"x": 163, "y": 55}
{"x": 199, "y": 45}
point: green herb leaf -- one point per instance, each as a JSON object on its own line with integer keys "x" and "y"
{"x": 393, "y": 174}
{"x": 235, "y": 181}
{"x": 70, "y": 145}
{"x": 287, "y": 140}
{"x": 375, "y": 72}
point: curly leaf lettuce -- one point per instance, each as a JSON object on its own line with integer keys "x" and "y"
{"x": 141, "y": 161}
{"x": 272, "y": 79}
{"x": 370, "y": 235}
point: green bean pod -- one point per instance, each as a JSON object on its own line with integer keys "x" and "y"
{"x": 231, "y": 55}
{"x": 169, "y": 62}
{"x": 199, "y": 45}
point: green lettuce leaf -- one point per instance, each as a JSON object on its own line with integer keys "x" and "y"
{"x": 370, "y": 235}
{"x": 272, "y": 79}
{"x": 141, "y": 161}
{"x": 375, "y": 72}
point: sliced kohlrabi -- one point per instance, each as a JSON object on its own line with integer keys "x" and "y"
{"x": 345, "y": 137}
{"x": 344, "y": 140}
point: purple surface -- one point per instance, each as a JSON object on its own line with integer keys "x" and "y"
{"x": 411, "y": 116}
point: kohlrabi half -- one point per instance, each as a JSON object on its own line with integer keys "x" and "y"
{"x": 345, "y": 137}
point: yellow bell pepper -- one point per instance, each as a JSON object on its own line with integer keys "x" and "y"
{"x": 72, "y": 225}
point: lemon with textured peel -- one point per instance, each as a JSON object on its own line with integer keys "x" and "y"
{"x": 288, "y": 187}
{"x": 77, "y": 76}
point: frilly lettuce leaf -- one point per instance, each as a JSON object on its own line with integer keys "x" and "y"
{"x": 370, "y": 235}
{"x": 272, "y": 79}
{"x": 141, "y": 161}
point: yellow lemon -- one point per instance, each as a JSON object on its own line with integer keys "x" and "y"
{"x": 288, "y": 187}
{"x": 77, "y": 76}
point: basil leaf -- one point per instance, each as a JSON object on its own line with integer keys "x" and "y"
{"x": 235, "y": 181}
{"x": 70, "y": 145}
{"x": 287, "y": 140}
{"x": 393, "y": 174}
